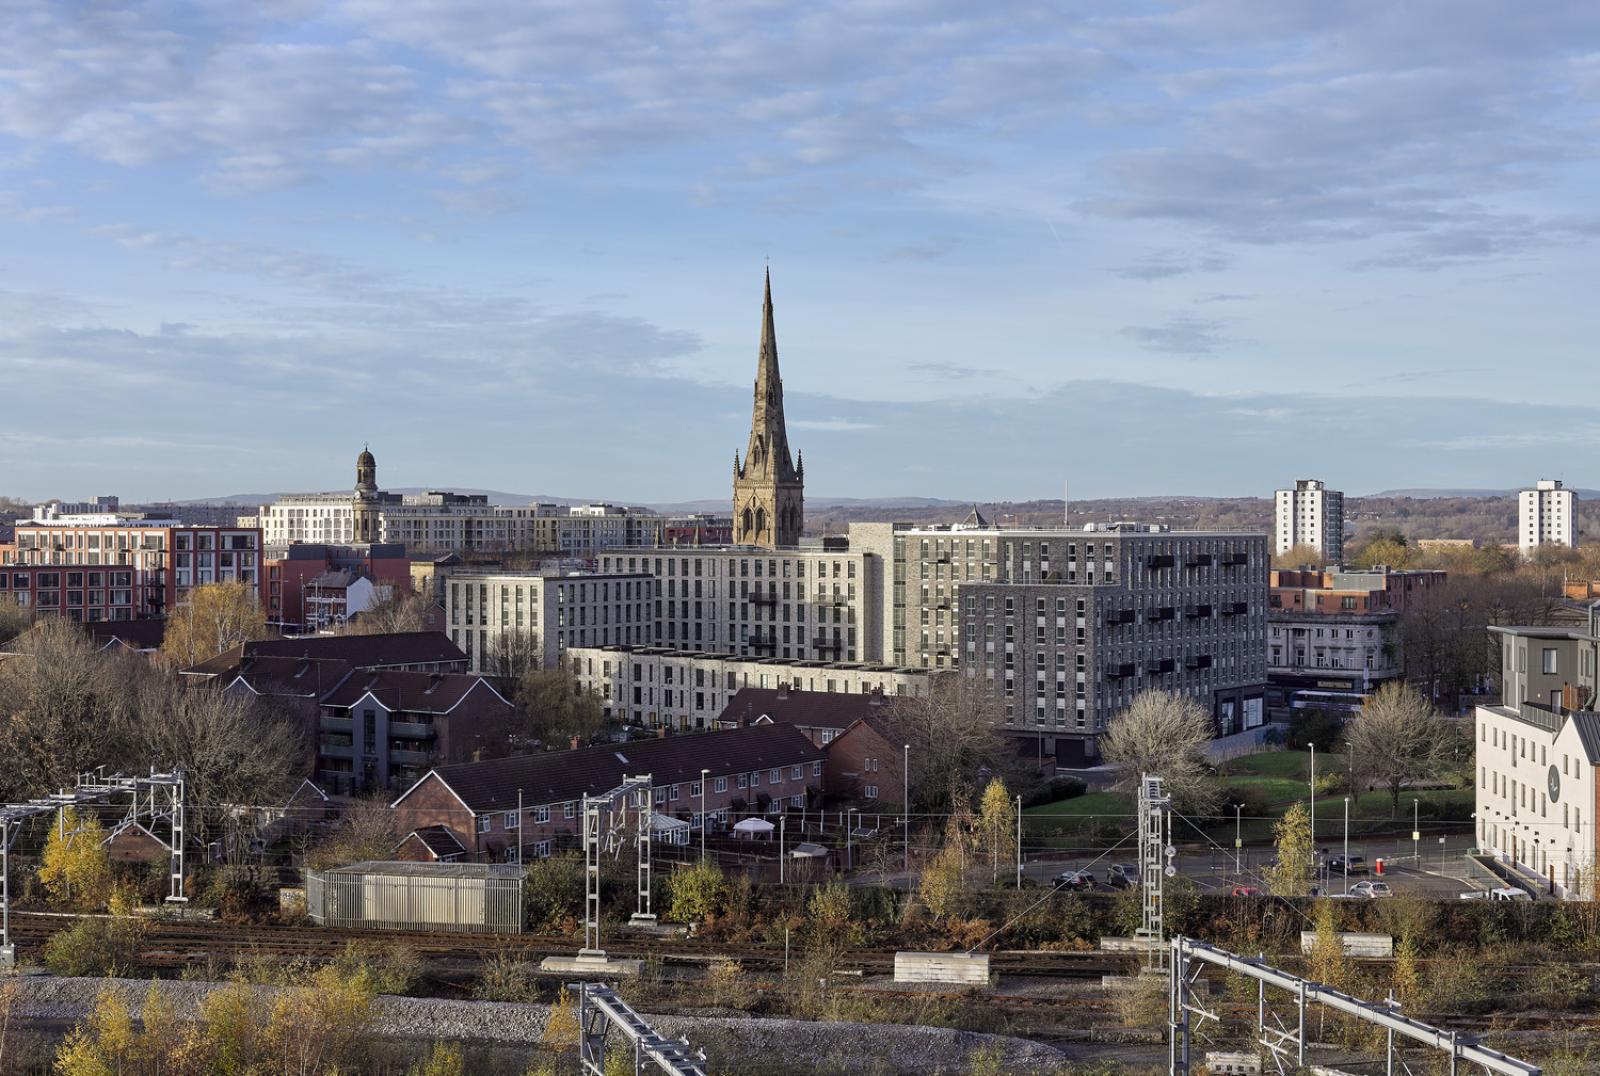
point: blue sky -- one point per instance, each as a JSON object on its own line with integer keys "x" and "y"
{"x": 1144, "y": 248}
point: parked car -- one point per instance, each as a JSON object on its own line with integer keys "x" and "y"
{"x": 1355, "y": 865}
{"x": 1503, "y": 893}
{"x": 1122, "y": 876}
{"x": 1371, "y": 889}
{"x": 1072, "y": 878}
{"x": 1247, "y": 891}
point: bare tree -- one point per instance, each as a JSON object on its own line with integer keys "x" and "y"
{"x": 512, "y": 655}
{"x": 400, "y": 611}
{"x": 1300, "y": 556}
{"x": 1397, "y": 737}
{"x": 1165, "y": 735}
{"x": 954, "y": 736}
{"x": 14, "y": 620}
{"x": 61, "y": 705}
{"x": 366, "y": 829}
{"x": 555, "y": 707}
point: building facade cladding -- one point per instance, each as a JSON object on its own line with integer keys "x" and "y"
{"x": 486, "y": 612}
{"x": 1084, "y": 621}
{"x": 91, "y": 595}
{"x": 168, "y": 558}
{"x": 1546, "y": 515}
{"x": 678, "y": 689}
{"x": 1310, "y": 515}
{"x": 812, "y": 604}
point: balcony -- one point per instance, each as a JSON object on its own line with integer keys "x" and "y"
{"x": 1200, "y": 560}
{"x": 757, "y": 641}
{"x": 1197, "y": 661}
{"x": 758, "y": 598}
{"x": 1198, "y": 612}
{"x": 1120, "y": 671}
{"x": 1160, "y": 613}
{"x": 337, "y": 750}
{"x": 337, "y": 724}
{"x": 1236, "y": 560}
{"x": 823, "y": 642}
{"x": 409, "y": 758}
{"x": 1161, "y": 666}
{"x": 1160, "y": 560}
{"x": 1235, "y": 608}
{"x": 1121, "y": 616}
{"x": 412, "y": 730}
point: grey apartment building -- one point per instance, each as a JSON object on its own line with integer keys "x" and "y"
{"x": 1080, "y": 622}
{"x": 490, "y": 613}
{"x": 812, "y": 603}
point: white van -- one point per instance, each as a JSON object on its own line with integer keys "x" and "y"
{"x": 1503, "y": 893}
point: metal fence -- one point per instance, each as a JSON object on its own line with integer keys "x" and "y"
{"x": 414, "y": 896}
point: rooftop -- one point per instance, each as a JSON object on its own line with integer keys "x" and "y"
{"x": 361, "y": 651}
{"x": 808, "y": 709}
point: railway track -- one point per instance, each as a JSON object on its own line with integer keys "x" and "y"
{"x": 175, "y": 943}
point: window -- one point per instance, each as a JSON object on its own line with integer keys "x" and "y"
{"x": 774, "y": 776}
{"x": 870, "y": 791}
{"x": 796, "y": 772}
{"x": 694, "y": 788}
{"x": 719, "y": 785}
{"x": 541, "y": 814}
{"x": 1549, "y": 659}
{"x": 797, "y": 801}
{"x": 512, "y": 821}
{"x": 484, "y": 822}
{"x": 542, "y": 849}
{"x": 816, "y": 769}
{"x": 569, "y": 809}
{"x": 675, "y": 790}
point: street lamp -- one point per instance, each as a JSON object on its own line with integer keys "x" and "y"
{"x": 704, "y": 820}
{"x": 1416, "y": 832}
{"x": 1347, "y": 844}
{"x": 782, "y": 818}
{"x": 1237, "y": 842}
{"x": 849, "y": 829}
{"x": 905, "y": 808}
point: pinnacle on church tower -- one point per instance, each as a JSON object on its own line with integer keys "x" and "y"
{"x": 768, "y": 489}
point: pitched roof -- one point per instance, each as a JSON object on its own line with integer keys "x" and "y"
{"x": 559, "y": 776}
{"x": 810, "y": 709}
{"x": 298, "y": 677}
{"x": 133, "y": 634}
{"x": 420, "y": 692}
{"x": 1587, "y": 725}
{"x": 361, "y": 651}
{"x": 975, "y": 518}
{"x": 436, "y": 839}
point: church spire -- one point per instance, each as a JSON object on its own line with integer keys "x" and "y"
{"x": 768, "y": 504}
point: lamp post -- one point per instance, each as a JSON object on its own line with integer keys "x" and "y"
{"x": 519, "y": 827}
{"x": 1238, "y": 843}
{"x": 782, "y": 818}
{"x": 1416, "y": 832}
{"x": 849, "y": 829}
{"x": 1347, "y": 844}
{"x": 1019, "y": 840}
{"x": 905, "y": 808}
{"x": 705, "y": 821}
{"x": 1313, "y": 794}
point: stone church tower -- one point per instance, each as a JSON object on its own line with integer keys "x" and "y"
{"x": 768, "y": 487}
{"x": 364, "y": 508}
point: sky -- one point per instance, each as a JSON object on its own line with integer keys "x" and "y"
{"x": 1134, "y": 248}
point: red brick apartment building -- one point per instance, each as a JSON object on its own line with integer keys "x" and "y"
{"x": 165, "y": 557}
{"x": 762, "y": 769}
{"x": 291, "y": 570}
{"x": 1334, "y": 591}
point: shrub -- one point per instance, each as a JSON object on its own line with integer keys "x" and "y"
{"x": 553, "y": 891}
{"x": 393, "y": 968}
{"x": 696, "y": 892}
{"x": 93, "y": 947}
{"x": 729, "y": 986}
{"x": 443, "y": 1059}
{"x": 1054, "y": 791}
{"x": 504, "y": 978}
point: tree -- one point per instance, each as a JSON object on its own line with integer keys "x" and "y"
{"x": 442, "y": 1059}
{"x": 512, "y": 654}
{"x": 1397, "y": 737}
{"x": 555, "y": 707}
{"x": 14, "y": 620}
{"x": 62, "y": 710}
{"x": 1300, "y": 556}
{"x": 1291, "y": 875}
{"x": 954, "y": 736}
{"x": 695, "y": 893}
{"x": 232, "y": 750}
{"x": 76, "y": 868}
{"x": 997, "y": 826}
{"x": 401, "y": 610}
{"x": 216, "y": 618}
{"x": 1165, "y": 734}
{"x": 365, "y": 830}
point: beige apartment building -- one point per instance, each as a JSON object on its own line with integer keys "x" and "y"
{"x": 501, "y": 618}
{"x": 685, "y": 690}
{"x": 808, "y": 603}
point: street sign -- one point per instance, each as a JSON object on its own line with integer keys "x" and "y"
{"x": 1415, "y": 835}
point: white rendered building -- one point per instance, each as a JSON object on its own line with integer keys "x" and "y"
{"x": 1310, "y": 515}
{"x": 1546, "y": 515}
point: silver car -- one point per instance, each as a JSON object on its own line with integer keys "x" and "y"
{"x": 1371, "y": 890}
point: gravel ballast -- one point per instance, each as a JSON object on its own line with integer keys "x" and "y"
{"x": 801, "y": 1044}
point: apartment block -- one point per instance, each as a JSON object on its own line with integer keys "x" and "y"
{"x": 91, "y": 595}
{"x": 1309, "y": 515}
{"x": 815, "y": 603}
{"x": 494, "y": 616}
{"x": 1537, "y": 754}
{"x": 1082, "y": 622}
{"x": 1547, "y": 515}
{"x": 168, "y": 558}
{"x": 678, "y": 689}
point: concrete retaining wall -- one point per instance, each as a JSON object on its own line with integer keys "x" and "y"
{"x": 1354, "y": 944}
{"x": 968, "y": 968}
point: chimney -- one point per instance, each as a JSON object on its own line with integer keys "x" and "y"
{"x": 783, "y": 690}
{"x": 661, "y": 733}
{"x": 575, "y": 744}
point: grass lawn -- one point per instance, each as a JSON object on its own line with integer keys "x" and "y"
{"x": 1269, "y": 782}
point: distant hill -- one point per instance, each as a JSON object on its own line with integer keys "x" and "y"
{"x": 1433, "y": 494}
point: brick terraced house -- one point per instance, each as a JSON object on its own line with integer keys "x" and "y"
{"x": 762, "y": 769}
